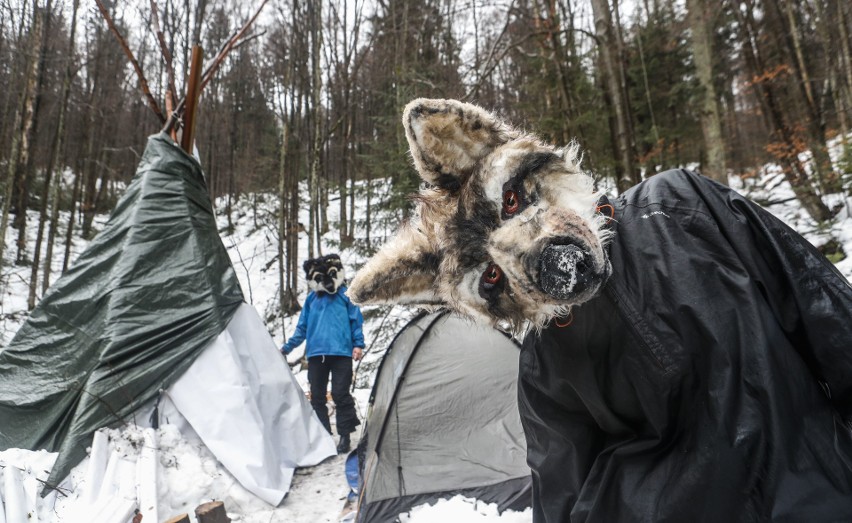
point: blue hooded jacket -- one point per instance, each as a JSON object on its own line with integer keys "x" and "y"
{"x": 331, "y": 323}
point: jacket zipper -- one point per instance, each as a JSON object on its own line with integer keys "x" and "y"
{"x": 619, "y": 304}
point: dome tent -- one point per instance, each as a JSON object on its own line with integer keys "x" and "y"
{"x": 443, "y": 420}
{"x": 154, "y": 304}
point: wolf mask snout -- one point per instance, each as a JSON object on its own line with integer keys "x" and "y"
{"x": 564, "y": 271}
{"x": 498, "y": 197}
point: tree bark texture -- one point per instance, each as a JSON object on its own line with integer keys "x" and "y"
{"x": 612, "y": 72}
{"x": 701, "y": 23}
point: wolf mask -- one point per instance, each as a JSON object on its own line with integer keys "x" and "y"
{"x": 508, "y": 229}
{"x": 324, "y": 274}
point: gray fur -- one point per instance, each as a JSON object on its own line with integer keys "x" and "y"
{"x": 500, "y": 197}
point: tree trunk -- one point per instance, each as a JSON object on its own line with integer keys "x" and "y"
{"x": 794, "y": 171}
{"x": 612, "y": 72}
{"x": 20, "y": 129}
{"x": 31, "y": 124}
{"x": 817, "y": 143}
{"x": 315, "y": 230}
{"x": 845, "y": 53}
{"x": 283, "y": 232}
{"x": 59, "y": 146}
{"x": 700, "y": 21}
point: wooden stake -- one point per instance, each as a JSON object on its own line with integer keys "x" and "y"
{"x": 193, "y": 91}
{"x": 212, "y": 512}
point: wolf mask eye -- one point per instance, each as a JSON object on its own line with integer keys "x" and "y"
{"x": 491, "y": 283}
{"x": 492, "y": 276}
{"x": 511, "y": 202}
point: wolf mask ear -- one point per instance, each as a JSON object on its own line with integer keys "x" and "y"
{"x": 310, "y": 266}
{"x": 405, "y": 271}
{"x": 448, "y": 138}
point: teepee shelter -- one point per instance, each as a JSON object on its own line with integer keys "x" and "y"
{"x": 443, "y": 421}
{"x": 152, "y": 305}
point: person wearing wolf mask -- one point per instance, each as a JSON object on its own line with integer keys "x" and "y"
{"x": 332, "y": 326}
{"x": 688, "y": 357}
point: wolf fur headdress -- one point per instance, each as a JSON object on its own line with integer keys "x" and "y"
{"x": 324, "y": 274}
{"x": 508, "y": 229}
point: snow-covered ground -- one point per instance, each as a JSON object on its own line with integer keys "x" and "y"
{"x": 190, "y": 474}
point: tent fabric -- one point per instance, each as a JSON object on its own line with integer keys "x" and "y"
{"x": 152, "y": 290}
{"x": 444, "y": 420}
{"x": 512, "y": 494}
{"x": 710, "y": 381}
{"x": 241, "y": 390}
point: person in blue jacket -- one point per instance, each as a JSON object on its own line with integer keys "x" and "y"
{"x": 332, "y": 326}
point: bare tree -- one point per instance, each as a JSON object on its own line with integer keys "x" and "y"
{"x": 53, "y": 177}
{"x": 23, "y": 134}
{"x": 314, "y": 228}
{"x": 787, "y": 147}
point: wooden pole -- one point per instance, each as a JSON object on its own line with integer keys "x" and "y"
{"x": 193, "y": 92}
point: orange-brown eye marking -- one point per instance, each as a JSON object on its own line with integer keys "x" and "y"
{"x": 511, "y": 202}
{"x": 492, "y": 275}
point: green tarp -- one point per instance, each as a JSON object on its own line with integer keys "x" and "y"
{"x": 152, "y": 290}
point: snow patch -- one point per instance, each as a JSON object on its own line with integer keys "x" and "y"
{"x": 464, "y": 509}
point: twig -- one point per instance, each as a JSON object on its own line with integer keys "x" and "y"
{"x": 243, "y": 263}
{"x": 372, "y": 345}
{"x": 213, "y": 67}
{"x": 65, "y": 492}
{"x": 248, "y": 39}
{"x": 269, "y": 264}
{"x": 208, "y": 75}
{"x": 123, "y": 43}
{"x": 496, "y": 62}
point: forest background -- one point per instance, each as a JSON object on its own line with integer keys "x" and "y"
{"x": 312, "y": 97}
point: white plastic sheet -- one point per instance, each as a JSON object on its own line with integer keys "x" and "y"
{"x": 244, "y": 403}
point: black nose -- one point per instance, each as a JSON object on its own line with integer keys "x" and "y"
{"x": 328, "y": 284}
{"x": 564, "y": 271}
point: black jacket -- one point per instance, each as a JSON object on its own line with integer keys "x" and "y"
{"x": 710, "y": 381}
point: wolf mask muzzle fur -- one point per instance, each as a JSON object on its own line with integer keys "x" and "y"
{"x": 508, "y": 230}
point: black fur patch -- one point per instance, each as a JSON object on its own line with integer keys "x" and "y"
{"x": 431, "y": 262}
{"x": 531, "y": 164}
{"x": 444, "y": 180}
{"x": 448, "y": 182}
{"x": 470, "y": 228}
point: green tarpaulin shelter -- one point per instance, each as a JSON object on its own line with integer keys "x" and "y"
{"x": 154, "y": 288}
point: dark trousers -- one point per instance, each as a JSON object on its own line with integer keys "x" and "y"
{"x": 340, "y": 369}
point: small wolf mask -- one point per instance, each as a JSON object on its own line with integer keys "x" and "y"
{"x": 508, "y": 230}
{"x": 324, "y": 274}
